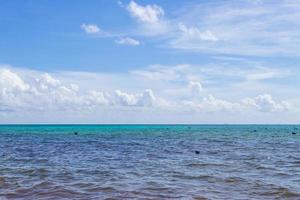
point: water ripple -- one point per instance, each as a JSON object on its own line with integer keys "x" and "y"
{"x": 149, "y": 162}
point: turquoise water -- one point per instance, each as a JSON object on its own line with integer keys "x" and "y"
{"x": 149, "y": 162}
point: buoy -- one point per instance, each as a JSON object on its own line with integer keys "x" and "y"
{"x": 294, "y": 133}
{"x": 75, "y": 133}
{"x": 197, "y": 152}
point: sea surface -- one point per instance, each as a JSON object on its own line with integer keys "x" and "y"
{"x": 149, "y": 162}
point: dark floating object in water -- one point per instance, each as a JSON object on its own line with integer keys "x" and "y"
{"x": 75, "y": 133}
{"x": 294, "y": 133}
{"x": 255, "y": 131}
{"x": 197, "y": 152}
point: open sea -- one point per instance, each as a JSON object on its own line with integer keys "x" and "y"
{"x": 149, "y": 162}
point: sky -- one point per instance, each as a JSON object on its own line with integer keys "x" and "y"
{"x": 142, "y": 61}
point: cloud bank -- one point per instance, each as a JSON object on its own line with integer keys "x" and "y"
{"x": 42, "y": 92}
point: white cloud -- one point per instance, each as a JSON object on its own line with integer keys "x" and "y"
{"x": 11, "y": 86}
{"x": 239, "y": 28}
{"x": 128, "y": 41}
{"x": 44, "y": 92}
{"x": 10, "y": 81}
{"x": 90, "y": 28}
{"x": 211, "y": 104}
{"x": 240, "y": 70}
{"x": 193, "y": 33}
{"x": 150, "y": 18}
{"x": 161, "y": 72}
{"x": 26, "y": 91}
{"x": 196, "y": 88}
{"x": 263, "y": 73}
{"x": 265, "y": 103}
{"x": 146, "y": 98}
{"x": 244, "y": 28}
{"x": 261, "y": 103}
{"x": 146, "y": 14}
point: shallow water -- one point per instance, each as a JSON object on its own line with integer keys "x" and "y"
{"x": 149, "y": 162}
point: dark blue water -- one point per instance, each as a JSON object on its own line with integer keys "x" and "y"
{"x": 150, "y": 162}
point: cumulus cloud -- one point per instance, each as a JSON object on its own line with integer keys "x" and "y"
{"x": 90, "y": 28}
{"x": 265, "y": 103}
{"x": 128, "y": 41}
{"x": 146, "y": 98}
{"x": 10, "y": 81}
{"x": 146, "y": 14}
{"x": 150, "y": 18}
{"x": 261, "y": 103}
{"x": 11, "y": 86}
{"x": 44, "y": 92}
{"x": 211, "y": 104}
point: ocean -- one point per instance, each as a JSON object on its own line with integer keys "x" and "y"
{"x": 149, "y": 162}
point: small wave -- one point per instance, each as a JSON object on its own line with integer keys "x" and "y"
{"x": 101, "y": 189}
{"x": 196, "y": 165}
{"x": 200, "y": 198}
{"x": 44, "y": 189}
{"x": 281, "y": 193}
{"x": 141, "y": 194}
{"x": 204, "y": 177}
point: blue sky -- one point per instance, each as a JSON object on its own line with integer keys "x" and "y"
{"x": 47, "y": 35}
{"x": 149, "y": 61}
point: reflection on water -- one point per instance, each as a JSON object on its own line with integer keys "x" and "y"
{"x": 149, "y": 162}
